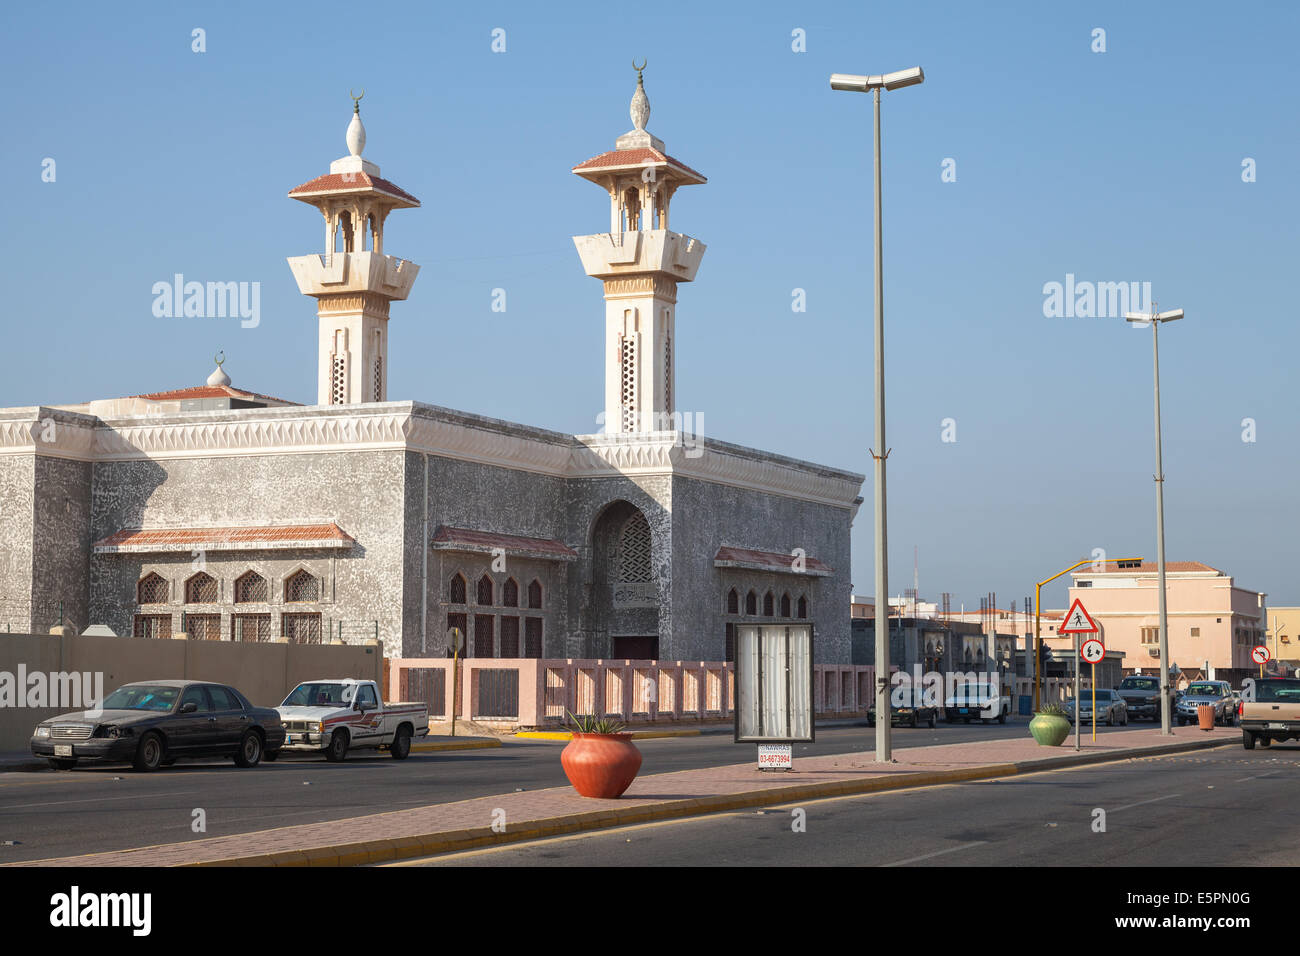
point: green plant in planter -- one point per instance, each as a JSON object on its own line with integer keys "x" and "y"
{"x": 1050, "y": 725}
{"x": 591, "y": 724}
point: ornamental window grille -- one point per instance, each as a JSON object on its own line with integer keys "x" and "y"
{"x": 250, "y": 588}
{"x": 485, "y": 589}
{"x": 634, "y": 551}
{"x": 767, "y": 604}
{"x": 628, "y": 395}
{"x": 510, "y": 593}
{"x": 201, "y": 589}
{"x": 484, "y": 634}
{"x": 457, "y": 591}
{"x": 668, "y": 369}
{"x": 509, "y": 637}
{"x": 153, "y": 625}
{"x": 203, "y": 627}
{"x": 785, "y": 605}
{"x": 379, "y": 378}
{"x": 152, "y": 589}
{"x": 535, "y": 595}
{"x": 803, "y": 606}
{"x": 751, "y": 603}
{"x": 533, "y": 637}
{"x": 301, "y": 628}
{"x": 301, "y": 587}
{"x": 338, "y": 381}
{"x": 733, "y": 602}
{"x": 253, "y": 628}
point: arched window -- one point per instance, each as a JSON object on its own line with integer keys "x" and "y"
{"x": 751, "y": 603}
{"x": 767, "y": 604}
{"x": 802, "y": 611}
{"x": 535, "y": 594}
{"x": 201, "y": 589}
{"x": 152, "y": 589}
{"x": 485, "y": 590}
{"x": 634, "y": 550}
{"x": 510, "y": 593}
{"x": 300, "y": 587}
{"x": 733, "y": 602}
{"x": 457, "y": 595}
{"x": 785, "y": 605}
{"x": 250, "y": 588}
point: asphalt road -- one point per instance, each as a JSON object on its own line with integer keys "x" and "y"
{"x": 1219, "y": 807}
{"x": 92, "y": 809}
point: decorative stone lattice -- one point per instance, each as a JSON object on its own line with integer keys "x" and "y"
{"x": 301, "y": 628}
{"x": 634, "y": 551}
{"x": 301, "y": 587}
{"x": 201, "y": 589}
{"x": 152, "y": 589}
{"x": 250, "y": 588}
{"x": 338, "y": 381}
{"x": 629, "y": 384}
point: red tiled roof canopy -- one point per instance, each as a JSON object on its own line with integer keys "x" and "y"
{"x": 210, "y": 391}
{"x": 1150, "y": 567}
{"x": 264, "y": 538}
{"x": 354, "y": 183}
{"x": 728, "y": 557}
{"x": 466, "y": 539}
{"x": 640, "y": 156}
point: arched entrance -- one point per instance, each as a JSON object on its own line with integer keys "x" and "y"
{"x": 624, "y": 589}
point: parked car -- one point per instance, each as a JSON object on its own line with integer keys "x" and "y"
{"x": 155, "y": 723}
{"x": 977, "y": 701}
{"x": 333, "y": 716}
{"x": 1142, "y": 696}
{"x": 1217, "y": 693}
{"x": 1274, "y": 714}
{"x": 908, "y": 712}
{"x": 1111, "y": 709}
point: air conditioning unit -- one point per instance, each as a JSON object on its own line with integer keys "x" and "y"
{"x": 1153, "y": 651}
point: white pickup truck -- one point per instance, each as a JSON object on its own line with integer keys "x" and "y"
{"x": 335, "y": 715}
{"x": 977, "y": 701}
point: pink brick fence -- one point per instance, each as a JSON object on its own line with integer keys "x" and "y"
{"x": 524, "y": 692}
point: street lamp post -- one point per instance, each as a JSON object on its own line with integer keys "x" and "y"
{"x": 860, "y": 84}
{"x": 1156, "y": 318}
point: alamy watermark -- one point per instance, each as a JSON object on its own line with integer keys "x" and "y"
{"x": 1084, "y": 299}
{"x": 66, "y": 690}
{"x": 208, "y": 300}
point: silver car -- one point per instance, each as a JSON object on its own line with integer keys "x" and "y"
{"x": 1111, "y": 709}
{"x": 1217, "y": 693}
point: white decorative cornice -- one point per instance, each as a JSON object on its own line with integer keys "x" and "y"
{"x": 48, "y": 432}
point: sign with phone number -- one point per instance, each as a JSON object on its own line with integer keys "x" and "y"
{"x": 775, "y": 756}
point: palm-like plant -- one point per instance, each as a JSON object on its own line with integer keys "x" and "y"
{"x": 591, "y": 724}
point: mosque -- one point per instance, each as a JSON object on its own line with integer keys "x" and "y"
{"x": 228, "y": 514}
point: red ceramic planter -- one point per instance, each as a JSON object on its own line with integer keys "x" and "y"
{"x": 601, "y": 765}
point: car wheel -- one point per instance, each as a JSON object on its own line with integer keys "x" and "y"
{"x": 338, "y": 748}
{"x": 1124, "y": 722}
{"x": 1002, "y": 718}
{"x": 1110, "y": 719}
{"x": 270, "y": 756}
{"x": 401, "y": 745}
{"x": 149, "y": 753}
{"x": 62, "y": 763}
{"x": 1265, "y": 741}
{"x": 934, "y": 720}
{"x": 249, "y": 753}
{"x": 1248, "y": 740}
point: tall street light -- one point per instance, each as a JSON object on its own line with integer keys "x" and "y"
{"x": 861, "y": 84}
{"x": 1155, "y": 319}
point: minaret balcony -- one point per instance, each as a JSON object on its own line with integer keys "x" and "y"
{"x": 653, "y": 250}
{"x": 384, "y": 275}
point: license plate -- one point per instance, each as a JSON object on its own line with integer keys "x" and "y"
{"x": 63, "y": 750}
{"x": 1276, "y": 726}
{"x": 288, "y": 738}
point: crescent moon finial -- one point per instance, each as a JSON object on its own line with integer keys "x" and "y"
{"x": 356, "y": 100}
{"x": 220, "y": 358}
{"x": 639, "y": 68}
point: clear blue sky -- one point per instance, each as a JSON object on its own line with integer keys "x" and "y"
{"x": 1115, "y": 166}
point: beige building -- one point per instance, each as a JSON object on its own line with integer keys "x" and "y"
{"x": 1213, "y": 623}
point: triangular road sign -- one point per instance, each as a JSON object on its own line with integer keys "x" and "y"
{"x": 1078, "y": 621}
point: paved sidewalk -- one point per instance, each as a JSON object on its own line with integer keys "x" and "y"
{"x": 465, "y": 824}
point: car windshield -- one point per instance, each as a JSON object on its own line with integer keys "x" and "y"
{"x": 1138, "y": 683}
{"x": 1205, "y": 690}
{"x": 1103, "y": 696}
{"x": 319, "y": 695}
{"x": 142, "y": 697}
{"x": 1278, "y": 691}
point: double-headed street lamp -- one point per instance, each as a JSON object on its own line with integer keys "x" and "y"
{"x": 861, "y": 84}
{"x": 1155, "y": 318}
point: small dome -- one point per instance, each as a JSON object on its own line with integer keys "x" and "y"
{"x": 218, "y": 376}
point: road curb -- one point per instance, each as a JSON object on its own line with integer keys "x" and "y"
{"x": 477, "y": 743}
{"x": 636, "y": 734}
{"x": 432, "y": 844}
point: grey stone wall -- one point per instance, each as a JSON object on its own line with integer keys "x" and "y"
{"x": 17, "y": 536}
{"x": 61, "y": 540}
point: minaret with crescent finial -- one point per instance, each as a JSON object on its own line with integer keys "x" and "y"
{"x": 353, "y": 282}
{"x": 640, "y": 261}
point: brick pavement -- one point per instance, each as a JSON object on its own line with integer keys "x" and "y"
{"x": 468, "y": 823}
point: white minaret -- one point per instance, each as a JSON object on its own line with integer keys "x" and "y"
{"x": 640, "y": 262}
{"x": 353, "y": 282}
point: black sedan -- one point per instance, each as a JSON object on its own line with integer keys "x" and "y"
{"x": 155, "y": 723}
